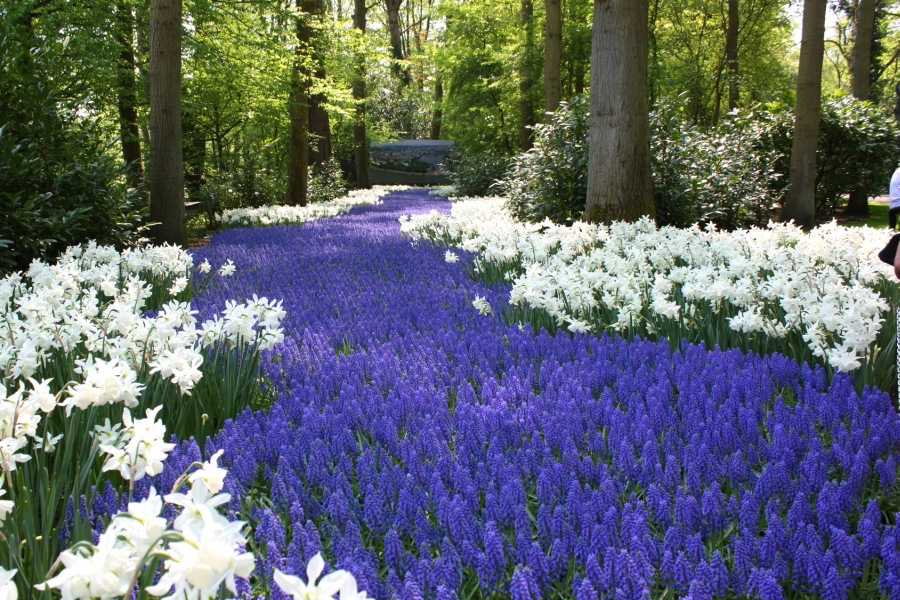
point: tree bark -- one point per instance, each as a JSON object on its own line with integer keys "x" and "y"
{"x": 800, "y": 204}
{"x": 620, "y": 186}
{"x": 396, "y": 33}
{"x": 167, "y": 176}
{"x": 438, "y": 116}
{"x": 127, "y": 97}
{"x": 319, "y": 123}
{"x": 526, "y": 83}
{"x": 732, "y": 56}
{"x": 360, "y": 143}
{"x": 859, "y": 85}
{"x": 553, "y": 56}
{"x": 298, "y": 109}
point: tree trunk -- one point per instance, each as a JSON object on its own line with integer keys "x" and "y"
{"x": 396, "y": 33}
{"x": 553, "y": 56}
{"x": 298, "y": 109}
{"x": 620, "y": 186}
{"x": 732, "y": 57}
{"x": 438, "y": 116}
{"x": 167, "y": 176}
{"x": 319, "y": 123}
{"x": 360, "y": 143}
{"x": 194, "y": 156}
{"x": 800, "y": 204}
{"x": 526, "y": 82}
{"x": 860, "y": 79}
{"x": 127, "y": 97}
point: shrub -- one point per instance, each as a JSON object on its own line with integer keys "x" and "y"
{"x": 550, "y": 180}
{"x": 728, "y": 176}
{"x": 478, "y": 173}
{"x": 60, "y": 181}
{"x": 327, "y": 182}
{"x": 858, "y": 145}
{"x": 734, "y": 175}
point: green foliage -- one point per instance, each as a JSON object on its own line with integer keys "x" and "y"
{"x": 59, "y": 182}
{"x": 327, "y": 182}
{"x": 858, "y": 145}
{"x": 478, "y": 173}
{"x": 727, "y": 176}
{"x": 550, "y": 180}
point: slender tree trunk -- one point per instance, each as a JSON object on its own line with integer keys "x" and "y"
{"x": 194, "y": 156}
{"x": 298, "y": 109}
{"x": 127, "y": 97}
{"x": 526, "y": 83}
{"x": 396, "y": 34}
{"x": 619, "y": 177}
{"x": 800, "y": 204}
{"x": 580, "y": 74}
{"x": 860, "y": 79}
{"x": 438, "y": 116}
{"x": 553, "y": 56}
{"x": 732, "y": 57}
{"x": 167, "y": 176}
{"x": 319, "y": 123}
{"x": 360, "y": 143}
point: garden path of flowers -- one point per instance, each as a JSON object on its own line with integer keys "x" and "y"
{"x": 438, "y": 453}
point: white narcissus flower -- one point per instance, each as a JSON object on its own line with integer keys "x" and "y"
{"x": 141, "y": 449}
{"x": 8, "y": 589}
{"x": 204, "y": 267}
{"x": 6, "y": 506}
{"x": 40, "y": 394}
{"x": 451, "y": 257}
{"x": 482, "y": 305}
{"x": 198, "y": 508}
{"x": 211, "y": 473}
{"x": 105, "y": 571}
{"x": 227, "y": 269}
{"x": 178, "y": 286}
{"x": 330, "y": 585}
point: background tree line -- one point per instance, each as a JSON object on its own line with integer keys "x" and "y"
{"x": 264, "y": 101}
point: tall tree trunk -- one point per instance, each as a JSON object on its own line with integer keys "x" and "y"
{"x": 438, "y": 115}
{"x": 396, "y": 33}
{"x": 167, "y": 175}
{"x": 553, "y": 56}
{"x": 298, "y": 109}
{"x": 620, "y": 186}
{"x": 732, "y": 57}
{"x": 127, "y": 97}
{"x": 360, "y": 143}
{"x": 800, "y": 204}
{"x": 319, "y": 124}
{"x": 860, "y": 79}
{"x": 526, "y": 83}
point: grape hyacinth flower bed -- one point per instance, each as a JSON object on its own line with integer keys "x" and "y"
{"x": 436, "y": 452}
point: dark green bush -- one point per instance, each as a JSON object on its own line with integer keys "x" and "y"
{"x": 734, "y": 175}
{"x": 60, "y": 178}
{"x": 327, "y": 182}
{"x": 728, "y": 176}
{"x": 477, "y": 173}
{"x": 58, "y": 187}
{"x": 858, "y": 145}
{"x": 550, "y": 180}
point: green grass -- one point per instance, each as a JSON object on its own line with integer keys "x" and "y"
{"x": 878, "y": 217}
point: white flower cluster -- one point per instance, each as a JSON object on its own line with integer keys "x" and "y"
{"x": 447, "y": 191}
{"x": 201, "y": 550}
{"x": 90, "y": 306}
{"x": 779, "y": 280}
{"x": 280, "y": 215}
